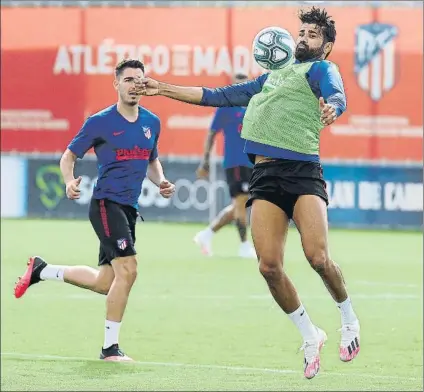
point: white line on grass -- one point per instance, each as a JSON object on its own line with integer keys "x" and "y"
{"x": 368, "y": 297}
{"x": 385, "y": 284}
{"x": 217, "y": 367}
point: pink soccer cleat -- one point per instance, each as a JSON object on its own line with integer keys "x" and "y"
{"x": 349, "y": 346}
{"x": 312, "y": 349}
{"x": 114, "y": 354}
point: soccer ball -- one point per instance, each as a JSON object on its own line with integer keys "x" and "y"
{"x": 273, "y": 48}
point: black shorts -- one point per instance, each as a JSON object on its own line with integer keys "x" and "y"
{"x": 282, "y": 181}
{"x": 238, "y": 178}
{"x": 114, "y": 225}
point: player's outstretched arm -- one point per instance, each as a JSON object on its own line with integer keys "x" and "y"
{"x": 232, "y": 95}
{"x": 150, "y": 87}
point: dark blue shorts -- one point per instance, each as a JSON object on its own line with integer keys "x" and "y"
{"x": 238, "y": 178}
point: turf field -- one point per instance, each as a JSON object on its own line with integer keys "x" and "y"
{"x": 196, "y": 323}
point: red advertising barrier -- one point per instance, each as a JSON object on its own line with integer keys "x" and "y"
{"x": 57, "y": 68}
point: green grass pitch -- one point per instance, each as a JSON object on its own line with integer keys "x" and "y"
{"x": 196, "y": 323}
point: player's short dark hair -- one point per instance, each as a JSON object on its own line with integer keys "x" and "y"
{"x": 320, "y": 17}
{"x": 128, "y": 63}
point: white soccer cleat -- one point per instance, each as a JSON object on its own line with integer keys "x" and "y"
{"x": 349, "y": 345}
{"x": 204, "y": 241}
{"x": 247, "y": 251}
{"x": 312, "y": 349}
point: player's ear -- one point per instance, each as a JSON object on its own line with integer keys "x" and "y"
{"x": 328, "y": 47}
{"x": 115, "y": 83}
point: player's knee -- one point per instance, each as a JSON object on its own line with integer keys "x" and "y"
{"x": 319, "y": 260}
{"x": 270, "y": 269}
{"x": 126, "y": 269}
{"x": 103, "y": 287}
{"x": 104, "y": 280}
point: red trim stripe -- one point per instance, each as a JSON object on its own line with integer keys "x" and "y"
{"x": 103, "y": 215}
{"x": 237, "y": 174}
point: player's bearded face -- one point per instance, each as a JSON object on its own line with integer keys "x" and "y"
{"x": 310, "y": 43}
{"x": 304, "y": 52}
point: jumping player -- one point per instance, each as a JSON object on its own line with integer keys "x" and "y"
{"x": 238, "y": 170}
{"x": 125, "y": 138}
{"x": 286, "y": 111}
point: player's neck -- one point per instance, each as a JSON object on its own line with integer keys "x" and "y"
{"x": 127, "y": 111}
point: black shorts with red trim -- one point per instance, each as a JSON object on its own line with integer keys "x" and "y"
{"x": 238, "y": 180}
{"x": 114, "y": 225}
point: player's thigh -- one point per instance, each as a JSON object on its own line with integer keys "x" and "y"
{"x": 114, "y": 230}
{"x": 126, "y": 266}
{"x": 310, "y": 217}
{"x": 269, "y": 226}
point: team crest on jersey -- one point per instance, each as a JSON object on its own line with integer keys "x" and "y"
{"x": 147, "y": 132}
{"x": 122, "y": 243}
{"x": 375, "y": 58}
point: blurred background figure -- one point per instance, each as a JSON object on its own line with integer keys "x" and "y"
{"x": 238, "y": 169}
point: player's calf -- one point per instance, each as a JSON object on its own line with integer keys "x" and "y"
{"x": 333, "y": 279}
{"x": 240, "y": 215}
{"x": 125, "y": 269}
{"x": 84, "y": 277}
{"x": 96, "y": 280}
{"x": 329, "y": 272}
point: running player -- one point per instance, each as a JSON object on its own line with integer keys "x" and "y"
{"x": 125, "y": 138}
{"x": 286, "y": 111}
{"x": 238, "y": 170}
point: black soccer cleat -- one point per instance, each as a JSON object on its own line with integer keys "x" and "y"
{"x": 114, "y": 354}
{"x": 32, "y": 275}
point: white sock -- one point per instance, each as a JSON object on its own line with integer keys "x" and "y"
{"x": 347, "y": 312}
{"x": 209, "y": 232}
{"x": 111, "y": 333}
{"x": 303, "y": 323}
{"x": 53, "y": 272}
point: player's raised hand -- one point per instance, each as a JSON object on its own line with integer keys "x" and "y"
{"x": 72, "y": 188}
{"x": 203, "y": 170}
{"x": 147, "y": 86}
{"x": 328, "y": 112}
{"x": 166, "y": 189}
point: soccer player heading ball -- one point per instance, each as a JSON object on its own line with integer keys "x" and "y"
{"x": 125, "y": 138}
{"x": 286, "y": 111}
